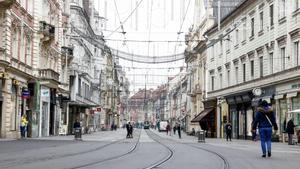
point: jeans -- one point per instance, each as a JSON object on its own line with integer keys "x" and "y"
{"x": 265, "y": 139}
{"x": 290, "y": 139}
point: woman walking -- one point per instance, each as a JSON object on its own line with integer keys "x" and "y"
{"x": 265, "y": 119}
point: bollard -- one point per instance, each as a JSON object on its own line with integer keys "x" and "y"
{"x": 77, "y": 133}
{"x": 201, "y": 136}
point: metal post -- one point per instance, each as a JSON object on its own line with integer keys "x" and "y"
{"x": 219, "y": 14}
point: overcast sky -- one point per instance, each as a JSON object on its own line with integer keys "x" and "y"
{"x": 153, "y": 20}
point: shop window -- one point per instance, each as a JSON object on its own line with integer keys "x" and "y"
{"x": 283, "y": 110}
{"x": 296, "y": 105}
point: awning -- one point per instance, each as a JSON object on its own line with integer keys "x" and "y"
{"x": 201, "y": 115}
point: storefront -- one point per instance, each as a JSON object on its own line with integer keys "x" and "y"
{"x": 45, "y": 109}
{"x": 207, "y": 118}
{"x": 240, "y": 114}
{"x": 1, "y": 101}
{"x": 287, "y": 99}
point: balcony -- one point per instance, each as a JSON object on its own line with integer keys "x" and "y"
{"x": 6, "y": 3}
{"x": 49, "y": 74}
{"x": 4, "y": 58}
{"x": 47, "y": 30}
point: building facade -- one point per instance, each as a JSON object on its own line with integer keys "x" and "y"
{"x": 254, "y": 56}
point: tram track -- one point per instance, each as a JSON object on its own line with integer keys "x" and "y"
{"x": 110, "y": 158}
{"x": 166, "y": 158}
{"x": 225, "y": 162}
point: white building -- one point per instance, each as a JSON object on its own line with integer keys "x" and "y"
{"x": 256, "y": 47}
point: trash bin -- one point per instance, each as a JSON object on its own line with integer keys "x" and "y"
{"x": 77, "y": 133}
{"x": 201, "y": 136}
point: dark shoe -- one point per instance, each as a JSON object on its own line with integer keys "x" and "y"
{"x": 269, "y": 154}
{"x": 263, "y": 156}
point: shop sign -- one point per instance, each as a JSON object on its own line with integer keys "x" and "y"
{"x": 45, "y": 93}
{"x": 25, "y": 94}
{"x": 295, "y": 86}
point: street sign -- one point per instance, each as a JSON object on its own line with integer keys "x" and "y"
{"x": 25, "y": 94}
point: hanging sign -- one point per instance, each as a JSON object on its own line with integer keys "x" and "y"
{"x": 25, "y": 94}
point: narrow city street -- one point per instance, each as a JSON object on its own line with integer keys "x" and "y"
{"x": 148, "y": 149}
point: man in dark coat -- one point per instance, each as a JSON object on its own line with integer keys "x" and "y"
{"x": 290, "y": 130}
{"x": 228, "y": 130}
{"x": 179, "y": 130}
{"x": 128, "y": 130}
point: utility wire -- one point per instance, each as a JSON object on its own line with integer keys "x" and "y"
{"x": 126, "y": 18}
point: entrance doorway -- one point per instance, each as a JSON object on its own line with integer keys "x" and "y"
{"x": 0, "y": 118}
{"x": 44, "y": 118}
{"x": 51, "y": 120}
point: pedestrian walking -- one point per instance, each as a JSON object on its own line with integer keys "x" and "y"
{"x": 179, "y": 130}
{"x": 228, "y": 130}
{"x": 174, "y": 128}
{"x": 290, "y": 130}
{"x": 23, "y": 127}
{"x": 77, "y": 130}
{"x": 168, "y": 128}
{"x": 130, "y": 130}
{"x": 265, "y": 119}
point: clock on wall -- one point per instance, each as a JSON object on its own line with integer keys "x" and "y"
{"x": 257, "y": 91}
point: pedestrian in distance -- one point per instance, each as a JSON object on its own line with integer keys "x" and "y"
{"x": 23, "y": 126}
{"x": 127, "y": 128}
{"x": 168, "y": 128}
{"x": 265, "y": 119}
{"x": 77, "y": 130}
{"x": 290, "y": 130}
{"x": 228, "y": 130}
{"x": 130, "y": 130}
{"x": 179, "y": 130}
{"x": 174, "y": 128}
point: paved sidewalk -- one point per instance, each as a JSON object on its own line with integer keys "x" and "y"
{"x": 95, "y": 136}
{"x": 234, "y": 144}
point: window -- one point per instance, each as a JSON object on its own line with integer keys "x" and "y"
{"x": 244, "y": 30}
{"x": 282, "y": 9}
{"x": 228, "y": 43}
{"x": 271, "y": 62}
{"x": 228, "y": 77}
{"x": 271, "y": 15}
{"x": 236, "y": 37}
{"x": 261, "y": 66}
{"x": 221, "y": 81}
{"x": 28, "y": 51}
{"x": 252, "y": 68}
{"x": 212, "y": 83}
{"x": 252, "y": 27}
{"x": 296, "y": 52}
{"x": 244, "y": 72}
{"x": 221, "y": 47}
{"x": 282, "y": 52}
{"x": 261, "y": 20}
{"x": 212, "y": 51}
{"x": 79, "y": 86}
{"x": 236, "y": 75}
